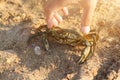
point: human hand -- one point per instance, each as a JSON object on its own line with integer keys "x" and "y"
{"x": 53, "y": 18}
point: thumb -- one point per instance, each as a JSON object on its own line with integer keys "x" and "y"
{"x": 49, "y": 18}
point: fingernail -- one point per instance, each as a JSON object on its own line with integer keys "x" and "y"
{"x": 85, "y": 30}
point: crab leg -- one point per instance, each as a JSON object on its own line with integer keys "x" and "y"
{"x": 45, "y": 42}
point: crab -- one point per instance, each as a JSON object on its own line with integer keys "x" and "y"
{"x": 69, "y": 37}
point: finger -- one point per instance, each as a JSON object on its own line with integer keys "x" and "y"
{"x": 50, "y": 23}
{"x": 49, "y": 19}
{"x": 58, "y": 17}
{"x": 65, "y": 11}
{"x": 54, "y": 22}
{"x": 85, "y": 30}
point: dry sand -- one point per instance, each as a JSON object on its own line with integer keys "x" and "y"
{"x": 18, "y": 61}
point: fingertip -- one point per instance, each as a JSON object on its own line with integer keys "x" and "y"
{"x": 52, "y": 22}
{"x": 55, "y": 22}
{"x": 65, "y": 10}
{"x": 49, "y": 23}
{"x": 85, "y": 30}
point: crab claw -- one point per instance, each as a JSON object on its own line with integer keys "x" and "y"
{"x": 88, "y": 51}
{"x": 85, "y": 54}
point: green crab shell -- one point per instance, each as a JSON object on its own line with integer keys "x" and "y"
{"x": 65, "y": 36}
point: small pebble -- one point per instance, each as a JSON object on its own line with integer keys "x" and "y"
{"x": 37, "y": 50}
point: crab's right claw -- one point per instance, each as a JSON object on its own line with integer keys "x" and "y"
{"x": 89, "y": 49}
{"x": 85, "y": 54}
